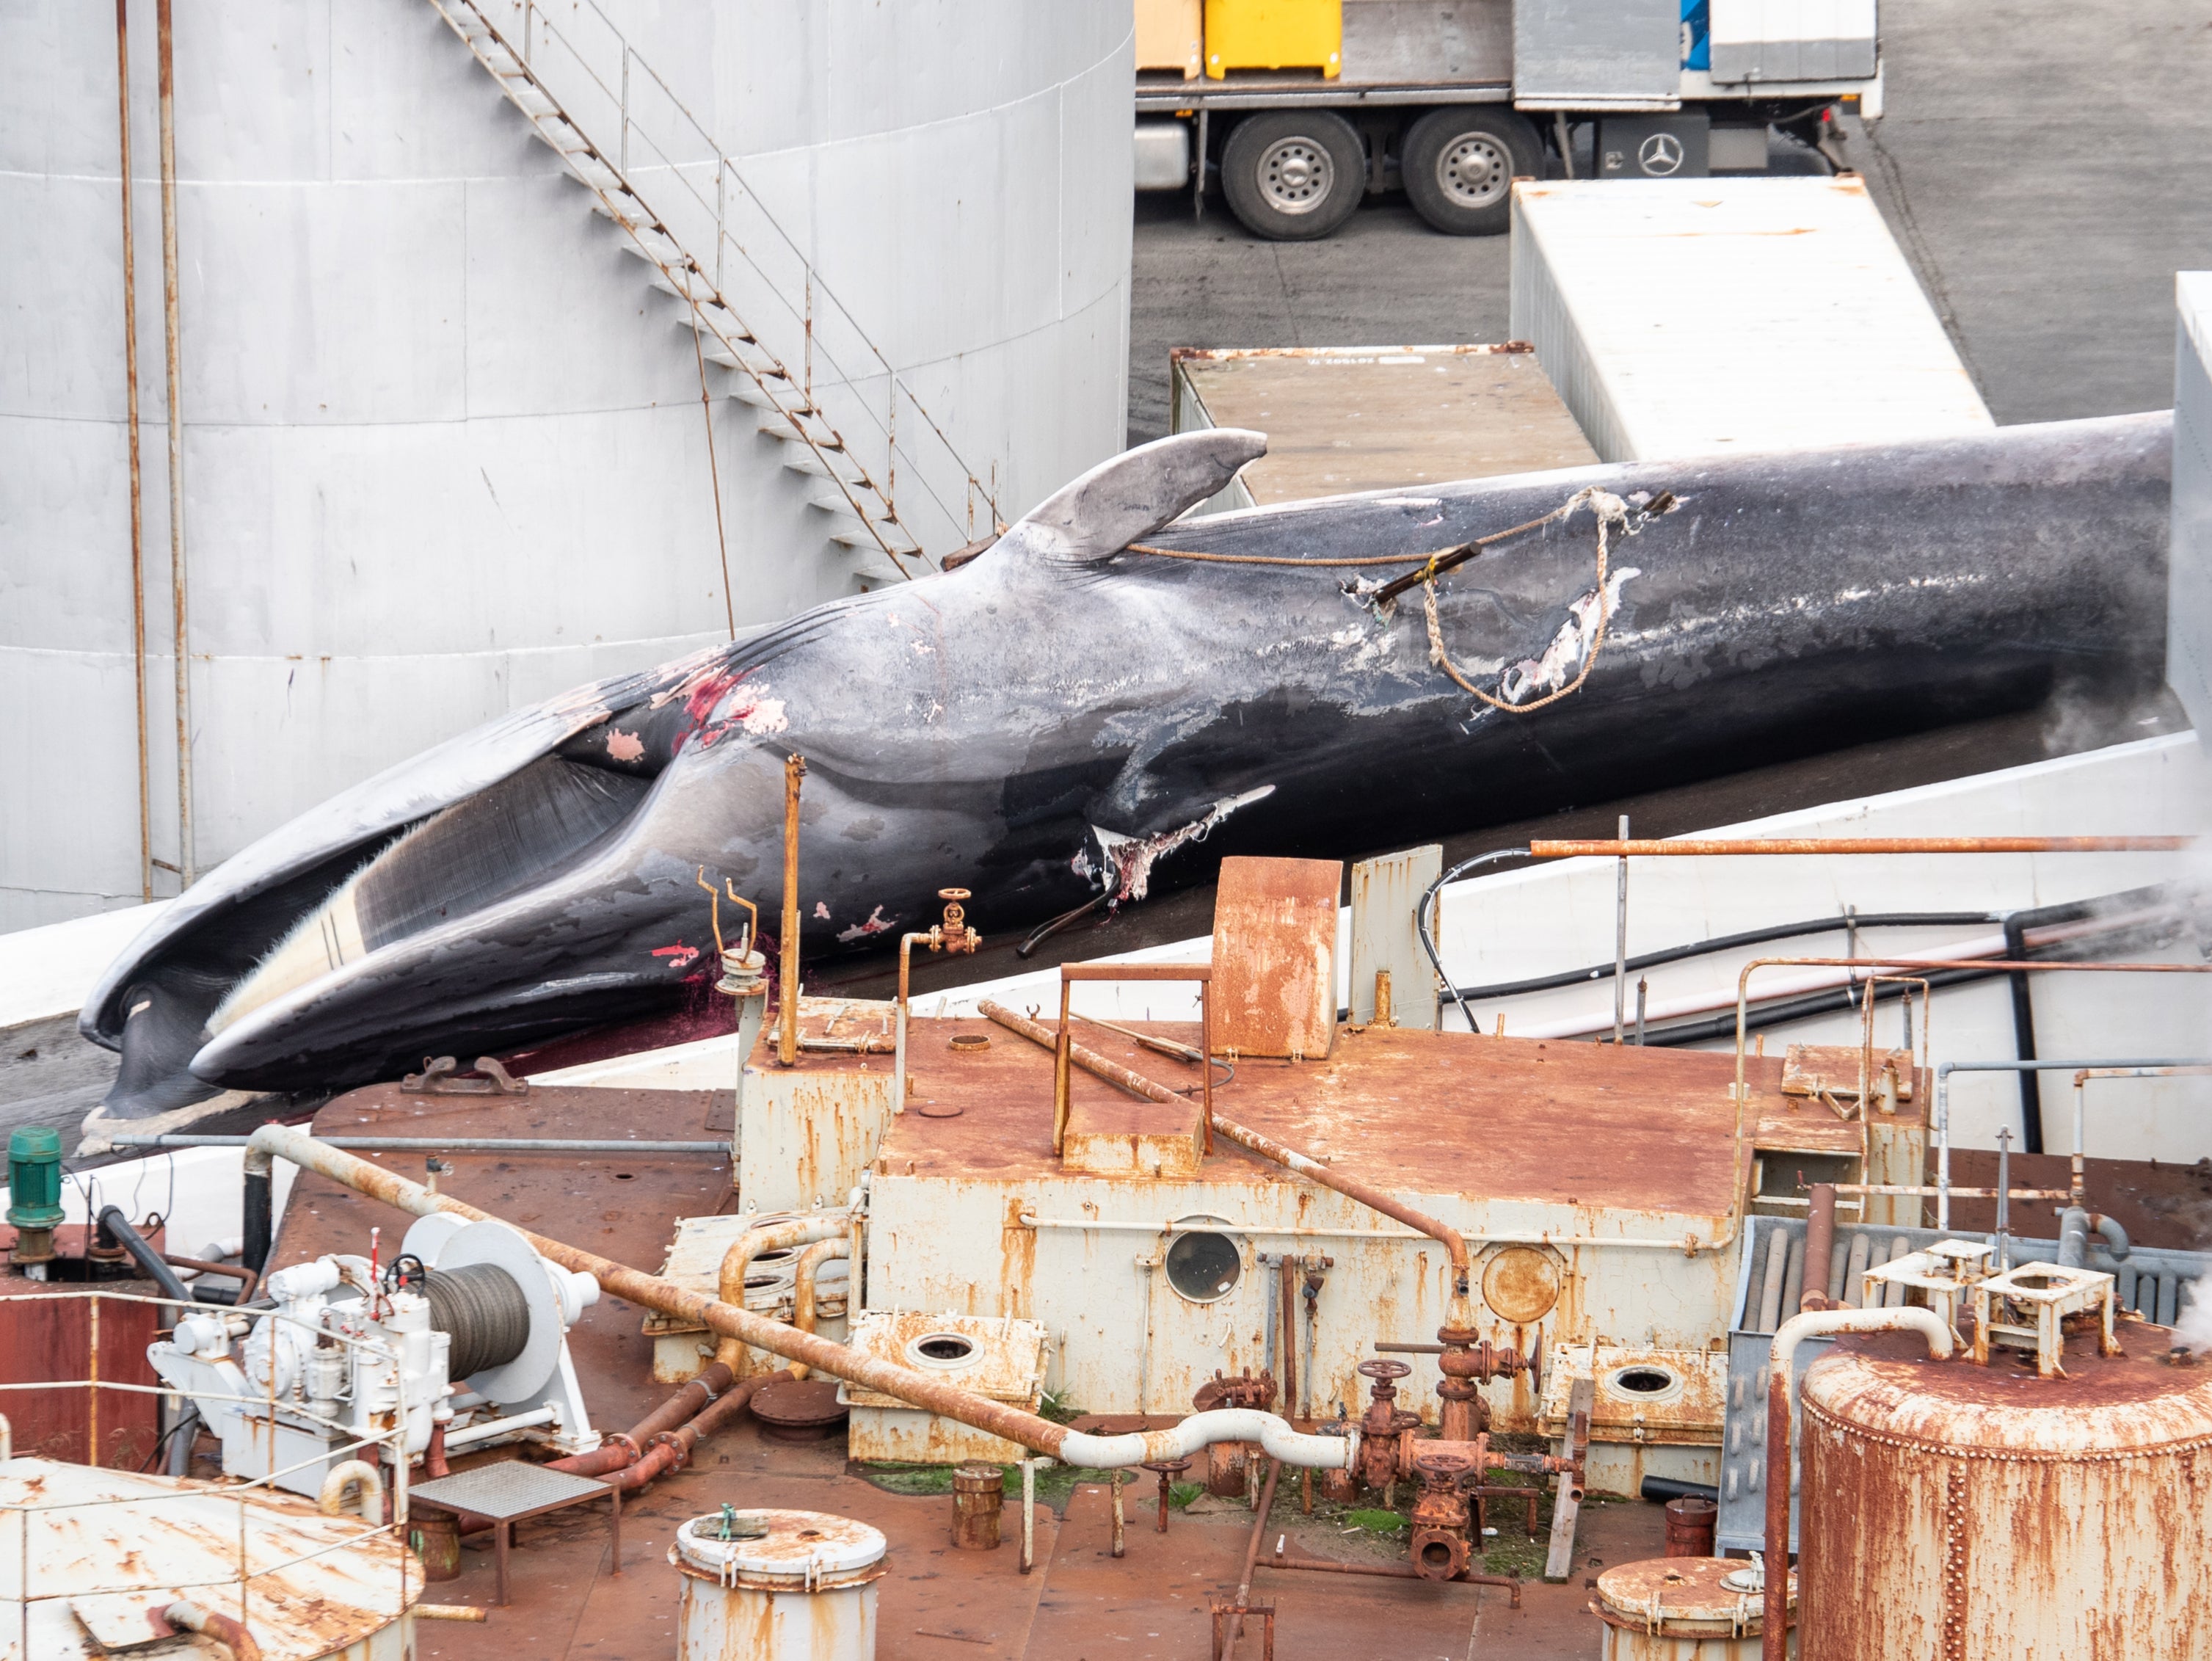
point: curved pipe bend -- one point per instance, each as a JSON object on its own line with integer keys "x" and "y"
{"x": 1774, "y": 1623}
{"x": 1273, "y": 1433}
{"x": 737, "y": 1262}
{"x": 352, "y": 1473}
{"x": 187, "y": 1616}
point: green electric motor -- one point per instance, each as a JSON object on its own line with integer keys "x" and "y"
{"x": 34, "y": 1192}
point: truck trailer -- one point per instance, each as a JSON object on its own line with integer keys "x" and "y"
{"x": 1295, "y": 110}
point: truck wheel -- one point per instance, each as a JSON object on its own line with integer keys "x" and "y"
{"x": 1459, "y": 164}
{"x": 1294, "y": 175}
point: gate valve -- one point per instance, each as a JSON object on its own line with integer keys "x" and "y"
{"x": 1440, "y": 1546}
{"x": 1384, "y": 1427}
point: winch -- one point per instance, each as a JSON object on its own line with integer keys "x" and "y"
{"x": 463, "y": 1335}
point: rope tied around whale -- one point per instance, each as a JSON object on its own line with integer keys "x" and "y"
{"x": 1609, "y": 510}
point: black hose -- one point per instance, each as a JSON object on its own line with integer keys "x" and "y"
{"x": 1782, "y": 931}
{"x": 259, "y": 1216}
{"x": 1428, "y": 938}
{"x": 483, "y": 1310}
{"x": 114, "y": 1225}
{"x": 1663, "y": 1488}
{"x": 1759, "y": 1018}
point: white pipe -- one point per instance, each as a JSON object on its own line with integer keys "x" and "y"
{"x": 6, "y": 1439}
{"x": 1261, "y": 1232}
{"x": 485, "y": 1431}
{"x": 1180, "y": 1441}
{"x": 352, "y": 1473}
{"x": 1818, "y": 1322}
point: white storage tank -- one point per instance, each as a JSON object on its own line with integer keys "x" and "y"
{"x": 96, "y": 1562}
{"x": 1689, "y": 317}
{"x": 777, "y": 1585}
{"x": 444, "y": 451}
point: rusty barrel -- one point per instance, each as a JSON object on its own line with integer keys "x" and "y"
{"x": 979, "y": 1495}
{"x": 1690, "y": 1526}
{"x": 437, "y": 1539}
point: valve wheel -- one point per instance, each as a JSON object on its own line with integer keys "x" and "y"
{"x": 1442, "y": 1464}
{"x": 1384, "y": 1370}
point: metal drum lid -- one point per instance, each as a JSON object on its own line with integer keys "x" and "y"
{"x": 808, "y": 1550}
{"x": 1685, "y": 1597}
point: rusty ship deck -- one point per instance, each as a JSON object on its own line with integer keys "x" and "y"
{"x": 567, "y": 1601}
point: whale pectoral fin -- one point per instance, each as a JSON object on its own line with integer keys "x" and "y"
{"x": 1130, "y": 495}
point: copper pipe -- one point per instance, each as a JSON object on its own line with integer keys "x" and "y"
{"x": 247, "y": 1279}
{"x": 187, "y": 866}
{"x": 1287, "y": 1296}
{"x": 138, "y": 510}
{"x": 786, "y": 1029}
{"x": 1702, "y": 846}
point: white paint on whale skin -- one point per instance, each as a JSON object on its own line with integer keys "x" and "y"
{"x": 765, "y": 717}
{"x": 874, "y": 925}
{"x": 1563, "y": 658}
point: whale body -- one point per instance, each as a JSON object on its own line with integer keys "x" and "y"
{"x": 1046, "y": 722}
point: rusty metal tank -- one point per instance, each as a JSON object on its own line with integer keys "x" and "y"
{"x": 1981, "y": 1513}
{"x": 1683, "y": 1609}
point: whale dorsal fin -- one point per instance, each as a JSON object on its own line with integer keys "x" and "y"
{"x": 1128, "y": 496}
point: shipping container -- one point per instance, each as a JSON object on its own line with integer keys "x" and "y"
{"x": 1707, "y": 317}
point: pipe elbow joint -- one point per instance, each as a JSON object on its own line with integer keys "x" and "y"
{"x": 354, "y": 1473}
{"x": 2116, "y": 1244}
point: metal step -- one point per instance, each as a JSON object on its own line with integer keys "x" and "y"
{"x": 857, "y": 535}
{"x": 801, "y": 460}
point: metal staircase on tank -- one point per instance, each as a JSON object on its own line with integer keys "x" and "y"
{"x": 839, "y": 413}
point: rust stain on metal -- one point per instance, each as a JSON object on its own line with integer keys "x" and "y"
{"x": 1952, "y": 1510}
{"x": 1275, "y": 956}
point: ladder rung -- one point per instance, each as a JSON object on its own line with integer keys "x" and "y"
{"x": 802, "y": 458}
{"x": 856, "y": 535}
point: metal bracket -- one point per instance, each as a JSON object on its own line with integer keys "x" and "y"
{"x": 441, "y": 1076}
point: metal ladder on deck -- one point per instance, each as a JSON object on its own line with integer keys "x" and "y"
{"x": 863, "y": 500}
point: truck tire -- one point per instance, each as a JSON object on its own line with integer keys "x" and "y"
{"x": 1459, "y": 164}
{"x": 1294, "y": 175}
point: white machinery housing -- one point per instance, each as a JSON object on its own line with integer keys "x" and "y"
{"x": 351, "y": 1355}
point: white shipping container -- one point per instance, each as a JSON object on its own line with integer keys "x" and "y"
{"x": 1688, "y": 317}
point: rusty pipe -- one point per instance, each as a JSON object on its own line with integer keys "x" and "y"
{"x": 737, "y": 1262}
{"x": 1820, "y": 1244}
{"x": 186, "y": 1616}
{"x": 1274, "y": 1434}
{"x": 130, "y": 420}
{"x": 1774, "y": 1637}
{"x": 1252, "y": 1556}
{"x": 187, "y": 864}
{"x": 1460, "y": 1309}
{"x": 1282, "y": 1560}
{"x": 366, "y": 1482}
{"x": 802, "y": 1297}
{"x": 1089, "y": 1060}
{"x": 1462, "y": 1312}
{"x": 1702, "y": 845}
{"x": 247, "y": 1279}
{"x": 787, "y": 1027}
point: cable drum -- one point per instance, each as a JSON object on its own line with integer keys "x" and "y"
{"x": 481, "y": 1309}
